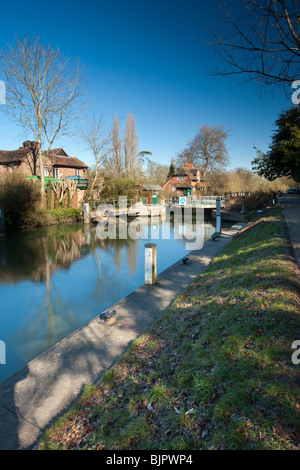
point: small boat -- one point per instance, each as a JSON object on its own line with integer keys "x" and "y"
{"x": 103, "y": 218}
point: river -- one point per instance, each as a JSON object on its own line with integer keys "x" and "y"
{"x": 54, "y": 280}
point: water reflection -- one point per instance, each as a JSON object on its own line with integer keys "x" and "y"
{"x": 54, "y": 280}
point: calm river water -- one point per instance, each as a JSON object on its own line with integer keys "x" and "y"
{"x": 54, "y": 280}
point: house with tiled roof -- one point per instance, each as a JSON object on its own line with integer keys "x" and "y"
{"x": 57, "y": 163}
{"x": 184, "y": 181}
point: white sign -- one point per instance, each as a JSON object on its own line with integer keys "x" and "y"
{"x": 182, "y": 201}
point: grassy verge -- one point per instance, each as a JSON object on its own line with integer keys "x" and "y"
{"x": 215, "y": 372}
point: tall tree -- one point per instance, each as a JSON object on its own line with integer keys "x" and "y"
{"x": 156, "y": 173}
{"x": 171, "y": 168}
{"x": 43, "y": 92}
{"x": 131, "y": 142}
{"x": 283, "y": 157}
{"x": 116, "y": 160}
{"x": 207, "y": 150}
{"x": 262, "y": 43}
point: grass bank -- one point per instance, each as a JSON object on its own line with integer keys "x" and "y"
{"x": 215, "y": 371}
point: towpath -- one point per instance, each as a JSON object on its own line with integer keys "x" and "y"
{"x": 47, "y": 386}
{"x": 290, "y": 204}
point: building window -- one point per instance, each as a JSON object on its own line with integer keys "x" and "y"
{"x": 77, "y": 172}
{"x": 180, "y": 178}
{"x": 46, "y": 171}
{"x": 56, "y": 173}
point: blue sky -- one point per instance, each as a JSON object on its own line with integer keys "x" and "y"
{"x": 147, "y": 58}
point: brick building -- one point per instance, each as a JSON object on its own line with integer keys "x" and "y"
{"x": 57, "y": 164}
{"x": 184, "y": 181}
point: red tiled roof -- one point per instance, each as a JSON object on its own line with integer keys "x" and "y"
{"x": 181, "y": 172}
{"x": 59, "y": 151}
{"x": 182, "y": 186}
{"x": 11, "y": 156}
{"x": 67, "y": 161}
{"x": 191, "y": 172}
{"x": 58, "y": 157}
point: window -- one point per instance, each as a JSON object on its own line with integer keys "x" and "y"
{"x": 56, "y": 173}
{"x": 180, "y": 178}
{"x": 77, "y": 172}
{"x": 46, "y": 171}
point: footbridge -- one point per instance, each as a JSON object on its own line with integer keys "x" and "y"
{"x": 98, "y": 209}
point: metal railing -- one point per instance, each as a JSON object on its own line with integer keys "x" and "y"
{"x": 116, "y": 203}
{"x": 208, "y": 201}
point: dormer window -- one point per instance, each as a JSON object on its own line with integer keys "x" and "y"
{"x": 180, "y": 178}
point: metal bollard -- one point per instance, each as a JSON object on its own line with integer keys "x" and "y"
{"x": 218, "y": 216}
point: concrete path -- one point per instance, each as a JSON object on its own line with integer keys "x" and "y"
{"x": 290, "y": 205}
{"x": 35, "y": 396}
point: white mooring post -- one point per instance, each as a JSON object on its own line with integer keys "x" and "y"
{"x": 150, "y": 263}
{"x": 86, "y": 213}
{"x": 218, "y": 216}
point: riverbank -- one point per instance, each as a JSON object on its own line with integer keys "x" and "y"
{"x": 48, "y": 385}
{"x": 47, "y": 217}
{"x": 215, "y": 371}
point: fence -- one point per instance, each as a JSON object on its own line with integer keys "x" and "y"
{"x": 207, "y": 201}
{"x": 113, "y": 202}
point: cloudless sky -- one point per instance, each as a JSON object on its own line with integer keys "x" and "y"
{"x": 146, "y": 57}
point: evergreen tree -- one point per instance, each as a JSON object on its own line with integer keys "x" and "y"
{"x": 283, "y": 158}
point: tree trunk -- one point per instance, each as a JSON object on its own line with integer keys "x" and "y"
{"x": 41, "y": 165}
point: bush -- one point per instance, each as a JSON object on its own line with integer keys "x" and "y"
{"x": 254, "y": 202}
{"x": 115, "y": 187}
{"x": 62, "y": 215}
{"x": 19, "y": 198}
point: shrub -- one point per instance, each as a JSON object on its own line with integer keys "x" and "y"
{"x": 254, "y": 202}
{"x": 61, "y": 215}
{"x": 19, "y": 198}
{"x": 115, "y": 187}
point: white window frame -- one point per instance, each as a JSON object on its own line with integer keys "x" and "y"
{"x": 180, "y": 178}
{"x": 77, "y": 172}
{"x": 46, "y": 171}
{"x": 56, "y": 173}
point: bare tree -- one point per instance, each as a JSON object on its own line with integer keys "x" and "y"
{"x": 64, "y": 187}
{"x": 156, "y": 173}
{"x": 98, "y": 142}
{"x": 207, "y": 150}
{"x": 43, "y": 92}
{"x": 263, "y": 43}
{"x": 116, "y": 159}
{"x": 132, "y": 166}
